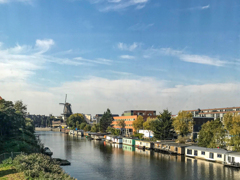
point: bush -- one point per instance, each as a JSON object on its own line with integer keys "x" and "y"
{"x": 6, "y": 162}
{"x": 138, "y": 135}
{"x": 39, "y": 166}
{"x": 182, "y": 139}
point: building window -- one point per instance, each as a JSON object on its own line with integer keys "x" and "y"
{"x": 219, "y": 155}
{"x": 189, "y": 151}
{"x": 195, "y": 153}
{"x": 203, "y": 152}
{"x": 211, "y": 155}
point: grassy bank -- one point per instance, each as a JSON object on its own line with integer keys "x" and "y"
{"x": 10, "y": 173}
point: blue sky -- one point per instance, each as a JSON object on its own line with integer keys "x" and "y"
{"x": 120, "y": 54}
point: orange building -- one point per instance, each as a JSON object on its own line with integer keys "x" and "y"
{"x": 128, "y": 121}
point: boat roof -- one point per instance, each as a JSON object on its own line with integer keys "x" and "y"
{"x": 215, "y": 150}
{"x": 233, "y": 153}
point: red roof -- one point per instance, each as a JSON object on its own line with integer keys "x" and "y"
{"x": 1, "y": 98}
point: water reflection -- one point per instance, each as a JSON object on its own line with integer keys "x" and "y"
{"x": 101, "y": 160}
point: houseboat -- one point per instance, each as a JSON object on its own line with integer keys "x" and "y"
{"x": 108, "y": 138}
{"x": 98, "y": 136}
{"x": 142, "y": 144}
{"x": 117, "y": 139}
{"x": 232, "y": 159}
{"x": 170, "y": 147}
{"x": 210, "y": 154}
{"x": 129, "y": 141}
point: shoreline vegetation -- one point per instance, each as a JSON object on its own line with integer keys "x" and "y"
{"x": 17, "y": 135}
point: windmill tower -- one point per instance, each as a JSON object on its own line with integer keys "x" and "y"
{"x": 67, "y": 110}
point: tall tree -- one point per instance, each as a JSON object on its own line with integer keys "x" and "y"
{"x": 106, "y": 120}
{"x": 162, "y": 127}
{"x": 212, "y": 134}
{"x": 121, "y": 123}
{"x": 183, "y": 123}
{"x": 74, "y": 118}
{"x": 231, "y": 123}
{"x": 148, "y": 124}
{"x": 138, "y": 123}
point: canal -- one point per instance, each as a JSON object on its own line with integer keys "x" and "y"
{"x": 98, "y": 160}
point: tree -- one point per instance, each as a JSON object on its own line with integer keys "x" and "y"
{"x": 183, "y": 123}
{"x": 73, "y": 119}
{"x": 106, "y": 120}
{"x": 231, "y": 123}
{"x": 162, "y": 127}
{"x": 121, "y": 123}
{"x": 20, "y": 108}
{"x": 212, "y": 134}
{"x": 148, "y": 124}
{"x": 87, "y": 128}
{"x": 82, "y": 125}
{"x": 138, "y": 123}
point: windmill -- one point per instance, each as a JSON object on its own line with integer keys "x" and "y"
{"x": 67, "y": 110}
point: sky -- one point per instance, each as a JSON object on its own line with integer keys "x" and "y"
{"x": 120, "y": 54}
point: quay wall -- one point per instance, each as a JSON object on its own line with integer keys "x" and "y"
{"x": 43, "y": 129}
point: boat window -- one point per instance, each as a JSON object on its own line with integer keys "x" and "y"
{"x": 219, "y": 155}
{"x": 195, "y": 152}
{"x": 203, "y": 152}
{"x": 189, "y": 151}
{"x": 211, "y": 155}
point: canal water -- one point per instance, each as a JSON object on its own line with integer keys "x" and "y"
{"x": 98, "y": 160}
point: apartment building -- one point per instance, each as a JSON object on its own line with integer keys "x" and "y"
{"x": 214, "y": 113}
{"x": 128, "y": 130}
{"x": 144, "y": 113}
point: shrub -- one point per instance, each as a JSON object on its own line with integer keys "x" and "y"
{"x": 39, "y": 166}
{"x": 182, "y": 139}
{"x": 138, "y": 135}
{"x": 6, "y": 162}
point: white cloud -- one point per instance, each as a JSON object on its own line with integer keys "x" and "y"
{"x": 98, "y": 94}
{"x": 193, "y": 58}
{"x": 117, "y": 5}
{"x": 9, "y": 1}
{"x": 127, "y": 47}
{"x": 21, "y": 61}
{"x": 205, "y": 7}
{"x": 127, "y": 57}
{"x": 44, "y": 45}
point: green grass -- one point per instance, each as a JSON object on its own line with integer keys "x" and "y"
{"x": 9, "y": 173}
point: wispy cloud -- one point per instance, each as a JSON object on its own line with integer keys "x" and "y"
{"x": 196, "y": 8}
{"x": 127, "y": 57}
{"x": 193, "y": 58}
{"x": 126, "y": 47}
{"x": 117, "y": 5}
{"x": 140, "y": 27}
{"x": 22, "y": 1}
{"x": 97, "y": 61}
{"x": 21, "y": 61}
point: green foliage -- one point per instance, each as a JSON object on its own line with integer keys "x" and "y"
{"x": 87, "y": 128}
{"x": 74, "y": 120}
{"x": 39, "y": 166}
{"x": 16, "y": 131}
{"x": 212, "y": 134}
{"x": 106, "y": 120}
{"x": 6, "y": 162}
{"x": 231, "y": 122}
{"x": 95, "y": 128}
{"x": 138, "y": 135}
{"x": 121, "y": 123}
{"x": 182, "y": 139}
{"x": 113, "y": 131}
{"x": 82, "y": 125}
{"x": 117, "y": 132}
{"x": 183, "y": 123}
{"x": 162, "y": 127}
{"x": 138, "y": 123}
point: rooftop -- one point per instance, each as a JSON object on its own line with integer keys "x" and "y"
{"x": 212, "y": 109}
{"x": 214, "y": 150}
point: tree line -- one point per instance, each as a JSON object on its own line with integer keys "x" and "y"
{"x": 16, "y": 130}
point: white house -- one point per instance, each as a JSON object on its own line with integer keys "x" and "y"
{"x": 233, "y": 159}
{"x": 211, "y": 154}
{"x": 146, "y": 133}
